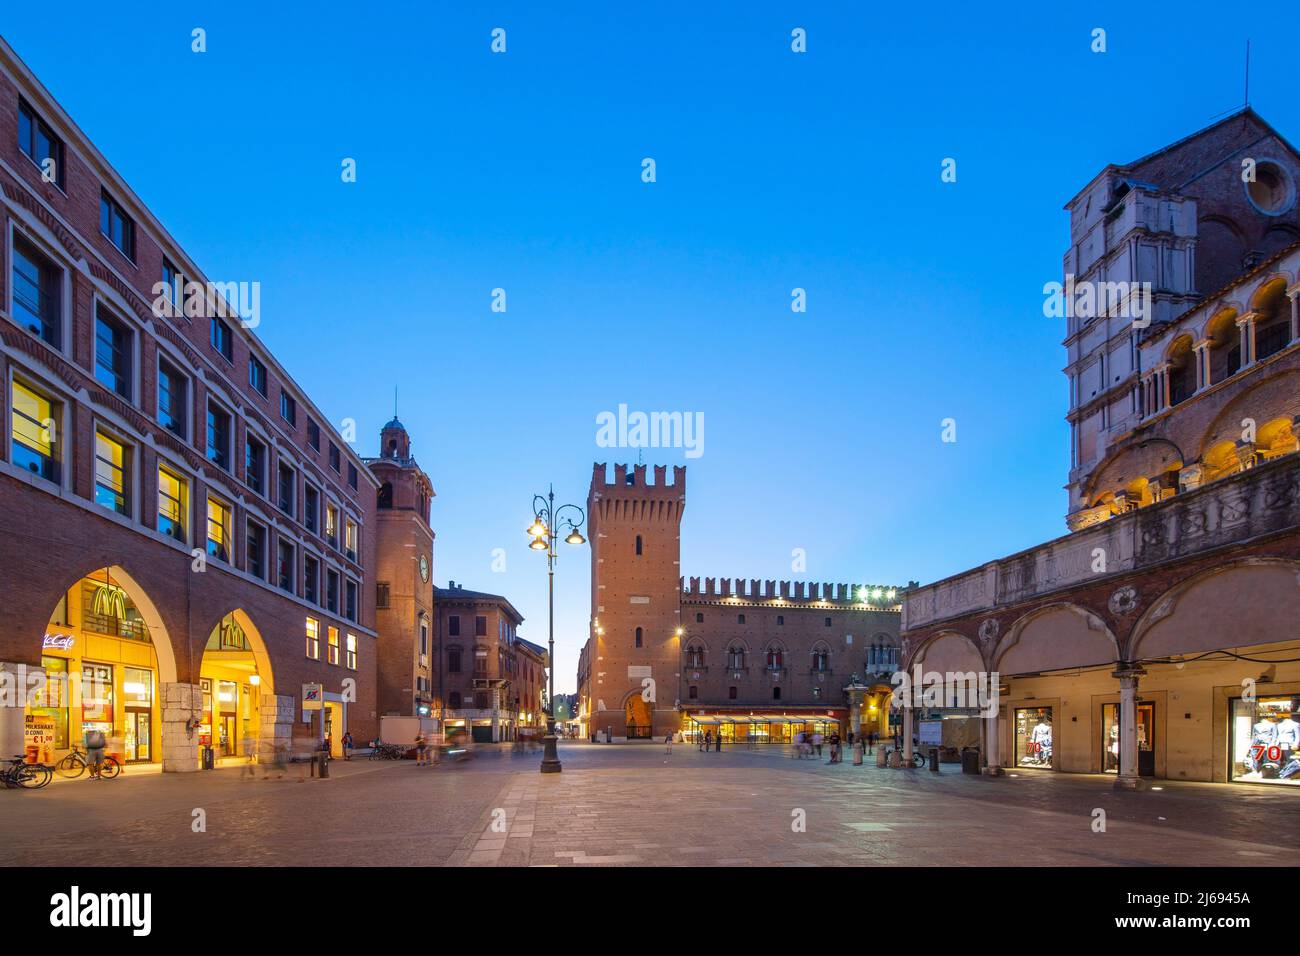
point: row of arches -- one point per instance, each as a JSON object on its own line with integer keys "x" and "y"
{"x": 775, "y": 655}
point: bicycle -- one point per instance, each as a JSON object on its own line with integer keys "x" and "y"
{"x": 26, "y": 776}
{"x": 75, "y": 764}
{"x": 918, "y": 759}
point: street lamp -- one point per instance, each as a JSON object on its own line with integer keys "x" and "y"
{"x": 546, "y": 521}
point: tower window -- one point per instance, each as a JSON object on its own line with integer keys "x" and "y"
{"x": 699, "y": 618}
{"x": 638, "y": 637}
{"x": 776, "y": 693}
{"x": 694, "y": 692}
{"x": 638, "y": 546}
{"x": 731, "y": 693}
{"x": 740, "y": 619}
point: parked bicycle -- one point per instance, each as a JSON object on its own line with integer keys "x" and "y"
{"x": 75, "y": 764}
{"x": 918, "y": 758}
{"x": 383, "y": 751}
{"x": 26, "y": 776}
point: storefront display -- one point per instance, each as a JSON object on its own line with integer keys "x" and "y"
{"x": 1266, "y": 740}
{"x": 1146, "y": 737}
{"x": 52, "y": 700}
{"x": 1034, "y": 738}
{"x": 137, "y": 692}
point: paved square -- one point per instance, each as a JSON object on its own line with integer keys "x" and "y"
{"x": 632, "y": 804}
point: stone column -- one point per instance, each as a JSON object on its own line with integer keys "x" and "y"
{"x": 278, "y": 712}
{"x": 1246, "y": 324}
{"x": 907, "y": 736}
{"x": 180, "y": 742}
{"x": 993, "y": 743}
{"x": 17, "y": 684}
{"x": 1294, "y": 293}
{"x": 1201, "y": 351}
{"x": 1128, "y": 675}
{"x": 1165, "y": 399}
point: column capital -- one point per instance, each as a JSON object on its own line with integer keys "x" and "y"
{"x": 1246, "y": 319}
{"x": 1130, "y": 670}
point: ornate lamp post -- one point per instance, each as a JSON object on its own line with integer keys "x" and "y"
{"x": 547, "y": 519}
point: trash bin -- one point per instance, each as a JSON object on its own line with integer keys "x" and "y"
{"x": 209, "y": 758}
{"x": 970, "y": 760}
{"x": 934, "y": 759}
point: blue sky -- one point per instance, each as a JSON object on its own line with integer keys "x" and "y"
{"x": 775, "y": 171}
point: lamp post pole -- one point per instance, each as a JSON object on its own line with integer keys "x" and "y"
{"x": 546, "y": 518}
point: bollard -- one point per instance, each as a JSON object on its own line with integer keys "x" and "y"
{"x": 857, "y": 754}
{"x": 324, "y": 765}
{"x": 881, "y": 757}
{"x": 934, "y": 759}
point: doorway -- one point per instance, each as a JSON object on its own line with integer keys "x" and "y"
{"x": 139, "y": 742}
{"x": 1146, "y": 738}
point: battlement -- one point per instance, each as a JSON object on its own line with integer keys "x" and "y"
{"x": 862, "y": 597}
{"x": 633, "y": 483}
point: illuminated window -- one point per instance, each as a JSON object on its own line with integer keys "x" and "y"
{"x": 173, "y": 504}
{"x": 350, "y": 539}
{"x": 352, "y": 652}
{"x": 218, "y": 530}
{"x": 313, "y": 638}
{"x": 333, "y": 645}
{"x": 111, "y": 458}
{"x": 332, "y": 525}
{"x": 33, "y": 433}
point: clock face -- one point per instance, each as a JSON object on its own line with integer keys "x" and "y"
{"x": 424, "y": 568}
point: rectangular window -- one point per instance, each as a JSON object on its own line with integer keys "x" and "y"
{"x": 218, "y": 437}
{"x": 112, "y": 474}
{"x": 453, "y": 663}
{"x": 284, "y": 565}
{"x": 313, "y": 435}
{"x": 218, "y": 530}
{"x": 116, "y": 225}
{"x": 172, "y": 390}
{"x": 351, "y": 647}
{"x": 453, "y": 625}
{"x": 288, "y": 407}
{"x": 334, "y": 456}
{"x": 256, "y": 544}
{"x": 38, "y": 143}
{"x": 33, "y": 433}
{"x": 383, "y": 594}
{"x": 173, "y": 286}
{"x": 222, "y": 339}
{"x": 332, "y": 591}
{"x": 38, "y": 293}
{"x": 313, "y": 638}
{"x": 257, "y": 375}
{"x": 352, "y": 475}
{"x": 173, "y": 504}
{"x": 285, "y": 488}
{"x": 255, "y": 465}
{"x": 311, "y": 579}
{"x": 480, "y": 626}
{"x": 350, "y": 538}
{"x": 333, "y": 648}
{"x": 350, "y": 601}
{"x": 311, "y": 508}
{"x": 112, "y": 353}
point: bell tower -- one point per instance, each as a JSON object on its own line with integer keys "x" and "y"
{"x": 635, "y": 531}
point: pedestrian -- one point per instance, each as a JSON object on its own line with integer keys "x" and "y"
{"x": 798, "y": 745}
{"x": 835, "y": 747}
{"x": 347, "y": 745}
{"x": 250, "y": 755}
{"x": 419, "y": 749}
{"x": 95, "y": 744}
{"x": 817, "y": 742}
{"x": 668, "y": 743}
{"x": 717, "y": 744}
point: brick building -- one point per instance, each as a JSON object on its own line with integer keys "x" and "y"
{"x": 489, "y": 680}
{"x": 1157, "y": 639}
{"x": 403, "y": 578}
{"x": 752, "y": 660}
{"x": 183, "y": 529}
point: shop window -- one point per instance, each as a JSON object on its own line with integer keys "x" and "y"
{"x": 1146, "y": 713}
{"x": 106, "y": 609}
{"x": 49, "y": 704}
{"x": 313, "y": 639}
{"x": 97, "y": 697}
{"x": 1034, "y": 738}
{"x": 1266, "y": 740}
{"x": 112, "y": 474}
{"x": 173, "y": 504}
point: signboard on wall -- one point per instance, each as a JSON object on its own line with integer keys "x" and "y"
{"x": 313, "y": 696}
{"x": 930, "y": 733}
{"x": 38, "y": 738}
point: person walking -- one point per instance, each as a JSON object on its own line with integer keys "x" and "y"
{"x": 95, "y": 744}
{"x": 817, "y": 742}
{"x": 668, "y": 743}
{"x": 420, "y": 747}
{"x": 347, "y": 745}
{"x": 717, "y": 743}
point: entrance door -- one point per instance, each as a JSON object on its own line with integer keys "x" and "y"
{"x": 1146, "y": 738}
{"x": 640, "y": 718}
{"x": 227, "y": 735}
{"x": 139, "y": 743}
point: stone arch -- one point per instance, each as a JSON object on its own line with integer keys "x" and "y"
{"x": 1124, "y": 467}
{"x": 1225, "y": 344}
{"x": 1249, "y": 596}
{"x": 1053, "y": 637}
{"x": 159, "y": 637}
{"x": 257, "y": 645}
{"x": 1274, "y": 395}
{"x": 947, "y": 651}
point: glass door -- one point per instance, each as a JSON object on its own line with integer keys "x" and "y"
{"x": 1146, "y": 738}
{"x": 139, "y": 743}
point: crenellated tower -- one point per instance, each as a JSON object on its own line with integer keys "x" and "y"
{"x": 635, "y": 528}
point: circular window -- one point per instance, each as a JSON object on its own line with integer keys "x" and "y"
{"x": 1273, "y": 190}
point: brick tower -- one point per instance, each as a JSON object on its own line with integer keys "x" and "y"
{"x": 635, "y": 532}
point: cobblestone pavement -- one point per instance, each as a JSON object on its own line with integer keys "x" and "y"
{"x": 633, "y": 804}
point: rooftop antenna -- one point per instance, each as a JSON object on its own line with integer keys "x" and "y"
{"x": 394, "y": 401}
{"x": 1248, "y": 73}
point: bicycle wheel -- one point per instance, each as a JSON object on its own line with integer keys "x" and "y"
{"x": 71, "y": 766}
{"x": 110, "y": 768}
{"x": 33, "y": 776}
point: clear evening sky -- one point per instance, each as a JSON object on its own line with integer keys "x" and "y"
{"x": 775, "y": 170}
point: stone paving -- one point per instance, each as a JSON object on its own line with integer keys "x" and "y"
{"x": 632, "y": 804}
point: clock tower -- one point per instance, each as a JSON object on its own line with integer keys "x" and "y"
{"x": 403, "y": 578}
